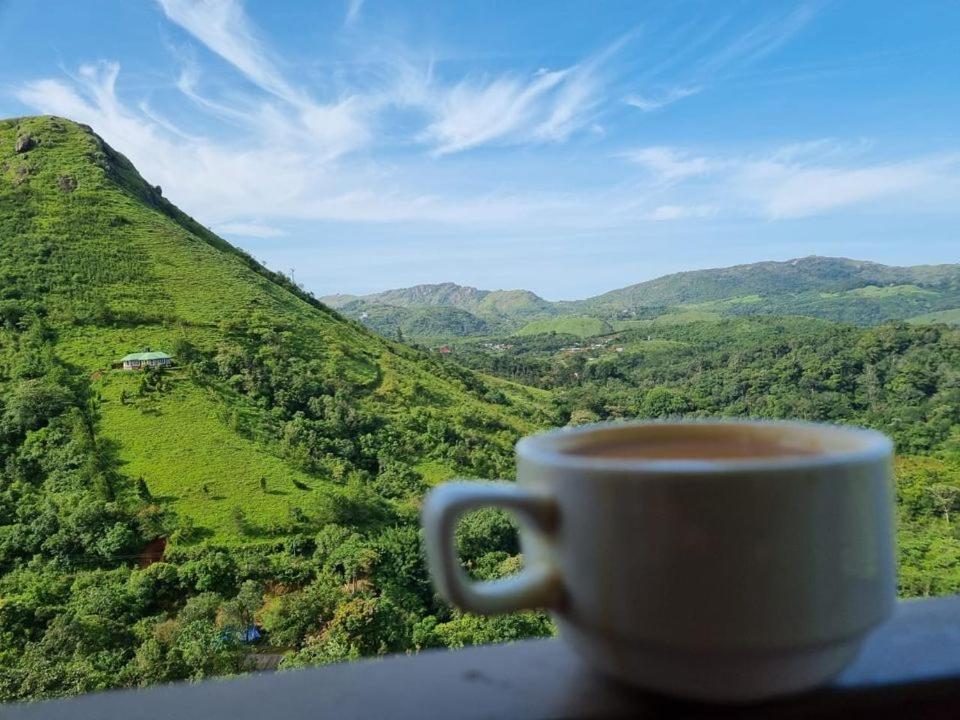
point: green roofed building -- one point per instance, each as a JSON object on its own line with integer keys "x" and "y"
{"x": 138, "y": 361}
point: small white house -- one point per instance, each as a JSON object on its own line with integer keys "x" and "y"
{"x": 139, "y": 361}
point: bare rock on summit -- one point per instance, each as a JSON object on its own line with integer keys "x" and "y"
{"x": 24, "y": 143}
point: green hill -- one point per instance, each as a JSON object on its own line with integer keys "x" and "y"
{"x": 773, "y": 279}
{"x": 115, "y": 268}
{"x": 950, "y": 317}
{"x": 514, "y": 305}
{"x": 448, "y": 310}
{"x": 420, "y": 323}
{"x": 280, "y": 420}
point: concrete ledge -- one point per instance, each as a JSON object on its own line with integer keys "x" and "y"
{"x": 909, "y": 668}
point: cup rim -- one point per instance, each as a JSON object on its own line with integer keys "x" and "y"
{"x": 545, "y": 448}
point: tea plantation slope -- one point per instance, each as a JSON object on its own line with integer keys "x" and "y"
{"x": 273, "y": 387}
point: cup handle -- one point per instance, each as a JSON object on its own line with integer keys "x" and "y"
{"x": 538, "y": 585}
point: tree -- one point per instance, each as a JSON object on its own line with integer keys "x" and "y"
{"x": 484, "y": 531}
{"x": 184, "y": 351}
{"x": 240, "y": 521}
{"x": 32, "y": 403}
{"x": 583, "y": 417}
{"x": 945, "y": 497}
{"x": 239, "y": 613}
{"x": 664, "y": 402}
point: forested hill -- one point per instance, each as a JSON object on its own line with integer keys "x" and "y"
{"x": 443, "y": 309}
{"x": 854, "y": 291}
{"x": 835, "y": 288}
{"x": 447, "y": 294}
{"x": 281, "y": 459}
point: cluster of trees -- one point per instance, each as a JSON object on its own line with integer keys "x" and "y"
{"x": 903, "y": 379}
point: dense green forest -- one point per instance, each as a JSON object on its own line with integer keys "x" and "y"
{"x": 900, "y": 378}
{"x": 272, "y": 477}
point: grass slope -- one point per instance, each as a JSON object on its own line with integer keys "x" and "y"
{"x": 951, "y": 317}
{"x": 184, "y": 449}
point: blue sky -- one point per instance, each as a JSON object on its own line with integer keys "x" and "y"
{"x": 564, "y": 147}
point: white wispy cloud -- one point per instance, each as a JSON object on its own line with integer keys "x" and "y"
{"x": 760, "y": 39}
{"x": 647, "y": 103}
{"x": 353, "y": 12}
{"x": 476, "y": 112}
{"x": 783, "y": 190}
{"x": 700, "y": 54}
{"x": 333, "y": 128}
{"x": 790, "y": 181}
{"x": 679, "y": 212}
{"x": 668, "y": 163}
{"x": 547, "y": 106}
{"x": 222, "y": 26}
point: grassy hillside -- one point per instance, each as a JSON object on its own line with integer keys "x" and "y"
{"x": 117, "y": 268}
{"x": 282, "y": 459}
{"x": 513, "y": 305}
{"x": 950, "y": 317}
{"x": 447, "y": 294}
{"x": 418, "y": 323}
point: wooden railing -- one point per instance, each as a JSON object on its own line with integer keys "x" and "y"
{"x": 908, "y": 669}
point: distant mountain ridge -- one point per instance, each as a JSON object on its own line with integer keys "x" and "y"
{"x": 448, "y": 293}
{"x": 772, "y": 278}
{"x": 835, "y": 288}
{"x": 443, "y": 309}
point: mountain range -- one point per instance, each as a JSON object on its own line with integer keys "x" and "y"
{"x": 842, "y": 289}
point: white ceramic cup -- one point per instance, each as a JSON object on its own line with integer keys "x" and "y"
{"x": 726, "y": 580}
